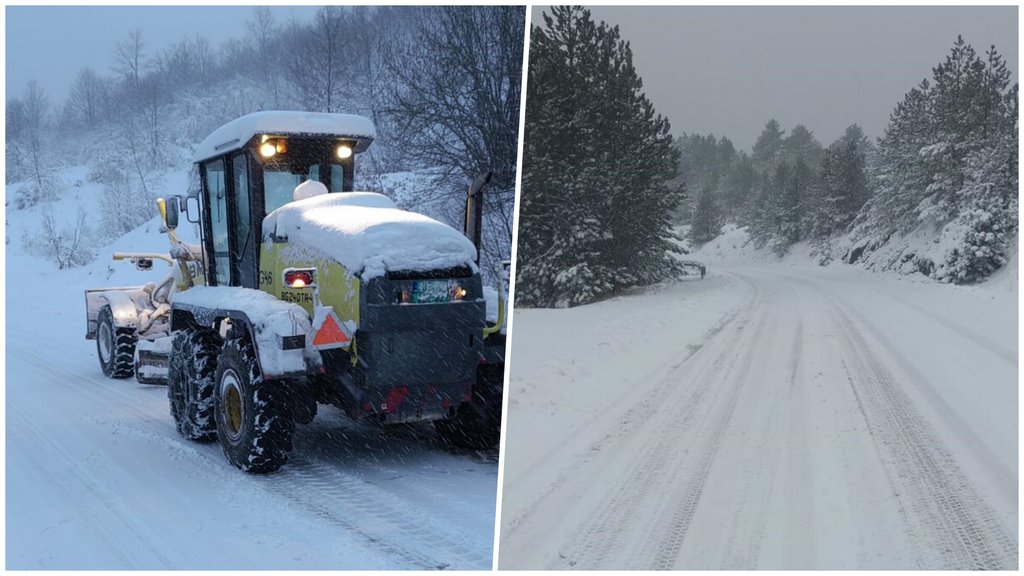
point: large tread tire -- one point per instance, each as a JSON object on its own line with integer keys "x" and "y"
{"x": 255, "y": 420}
{"x": 190, "y": 383}
{"x": 477, "y": 423}
{"x": 115, "y": 347}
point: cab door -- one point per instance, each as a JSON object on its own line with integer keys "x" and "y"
{"x": 244, "y": 229}
{"x": 216, "y": 222}
{"x": 230, "y": 230}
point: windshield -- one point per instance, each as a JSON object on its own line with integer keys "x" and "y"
{"x": 279, "y": 182}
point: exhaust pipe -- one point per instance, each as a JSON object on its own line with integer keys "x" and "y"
{"x": 474, "y": 210}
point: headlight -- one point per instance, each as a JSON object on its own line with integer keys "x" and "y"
{"x": 273, "y": 146}
{"x": 344, "y": 151}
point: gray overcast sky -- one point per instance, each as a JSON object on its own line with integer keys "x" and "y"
{"x": 728, "y": 70}
{"x": 51, "y": 44}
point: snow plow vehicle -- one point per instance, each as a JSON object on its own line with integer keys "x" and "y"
{"x": 304, "y": 292}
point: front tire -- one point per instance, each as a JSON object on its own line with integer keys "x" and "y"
{"x": 254, "y": 417}
{"x": 115, "y": 347}
{"x": 190, "y": 383}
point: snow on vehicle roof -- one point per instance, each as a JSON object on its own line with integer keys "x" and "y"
{"x": 236, "y": 133}
{"x": 368, "y": 235}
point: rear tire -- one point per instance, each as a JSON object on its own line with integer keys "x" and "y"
{"x": 477, "y": 423}
{"x": 115, "y": 347}
{"x": 254, "y": 417}
{"x": 190, "y": 383}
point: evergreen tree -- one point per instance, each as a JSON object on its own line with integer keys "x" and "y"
{"x": 790, "y": 205}
{"x": 737, "y": 186}
{"x": 595, "y": 205}
{"x": 801, "y": 144}
{"x": 707, "y": 220}
{"x": 841, "y": 188}
{"x": 704, "y": 163}
{"x": 942, "y": 164}
{"x": 767, "y": 152}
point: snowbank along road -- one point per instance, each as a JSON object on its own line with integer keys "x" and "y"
{"x": 98, "y": 478}
{"x": 768, "y": 417}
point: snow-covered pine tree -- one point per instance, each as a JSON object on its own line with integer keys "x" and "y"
{"x": 801, "y": 143}
{"x": 707, "y": 219}
{"x": 790, "y": 204}
{"x": 704, "y": 162}
{"x": 767, "y": 151}
{"x": 737, "y": 186}
{"x": 595, "y": 204}
{"x": 841, "y": 187}
{"x": 942, "y": 164}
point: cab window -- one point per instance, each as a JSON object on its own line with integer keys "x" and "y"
{"x": 216, "y": 199}
{"x": 279, "y": 182}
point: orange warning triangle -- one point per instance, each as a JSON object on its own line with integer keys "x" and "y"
{"x": 330, "y": 333}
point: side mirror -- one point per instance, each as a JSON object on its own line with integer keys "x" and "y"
{"x": 173, "y": 208}
{"x": 192, "y": 209}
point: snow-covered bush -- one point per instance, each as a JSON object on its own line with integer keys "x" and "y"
{"x": 32, "y": 192}
{"x": 979, "y": 239}
{"x": 67, "y": 246}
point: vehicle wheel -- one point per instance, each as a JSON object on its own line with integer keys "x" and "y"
{"x": 254, "y": 417}
{"x": 115, "y": 346}
{"x": 477, "y": 424}
{"x": 190, "y": 383}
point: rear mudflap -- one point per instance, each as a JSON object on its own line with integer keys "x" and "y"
{"x": 152, "y": 358}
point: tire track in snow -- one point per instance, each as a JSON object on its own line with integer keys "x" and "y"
{"x": 398, "y": 528}
{"x": 968, "y": 334}
{"x": 751, "y": 516}
{"x": 695, "y": 425}
{"x": 92, "y": 492}
{"x": 631, "y": 421}
{"x": 951, "y": 525}
{"x": 659, "y": 373}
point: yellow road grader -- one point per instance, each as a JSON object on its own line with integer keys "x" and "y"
{"x": 302, "y": 293}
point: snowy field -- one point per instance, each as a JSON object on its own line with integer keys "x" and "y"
{"x": 772, "y": 416}
{"x": 98, "y": 478}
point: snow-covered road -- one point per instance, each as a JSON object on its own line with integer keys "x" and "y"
{"x": 767, "y": 417}
{"x": 98, "y": 478}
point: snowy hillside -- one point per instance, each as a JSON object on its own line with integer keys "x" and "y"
{"x": 899, "y": 258}
{"x": 98, "y": 477}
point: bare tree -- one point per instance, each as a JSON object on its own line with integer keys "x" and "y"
{"x": 26, "y": 124}
{"x": 456, "y": 102}
{"x": 206, "y": 60}
{"x": 264, "y": 34}
{"x": 458, "y": 91}
{"x": 128, "y": 58}
{"x": 317, "y": 63}
{"x": 88, "y": 97}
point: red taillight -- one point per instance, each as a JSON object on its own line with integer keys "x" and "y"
{"x": 298, "y": 278}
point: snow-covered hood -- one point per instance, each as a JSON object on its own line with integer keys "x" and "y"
{"x": 366, "y": 233}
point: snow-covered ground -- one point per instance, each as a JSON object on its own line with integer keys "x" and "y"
{"x": 98, "y": 478}
{"x": 774, "y": 415}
